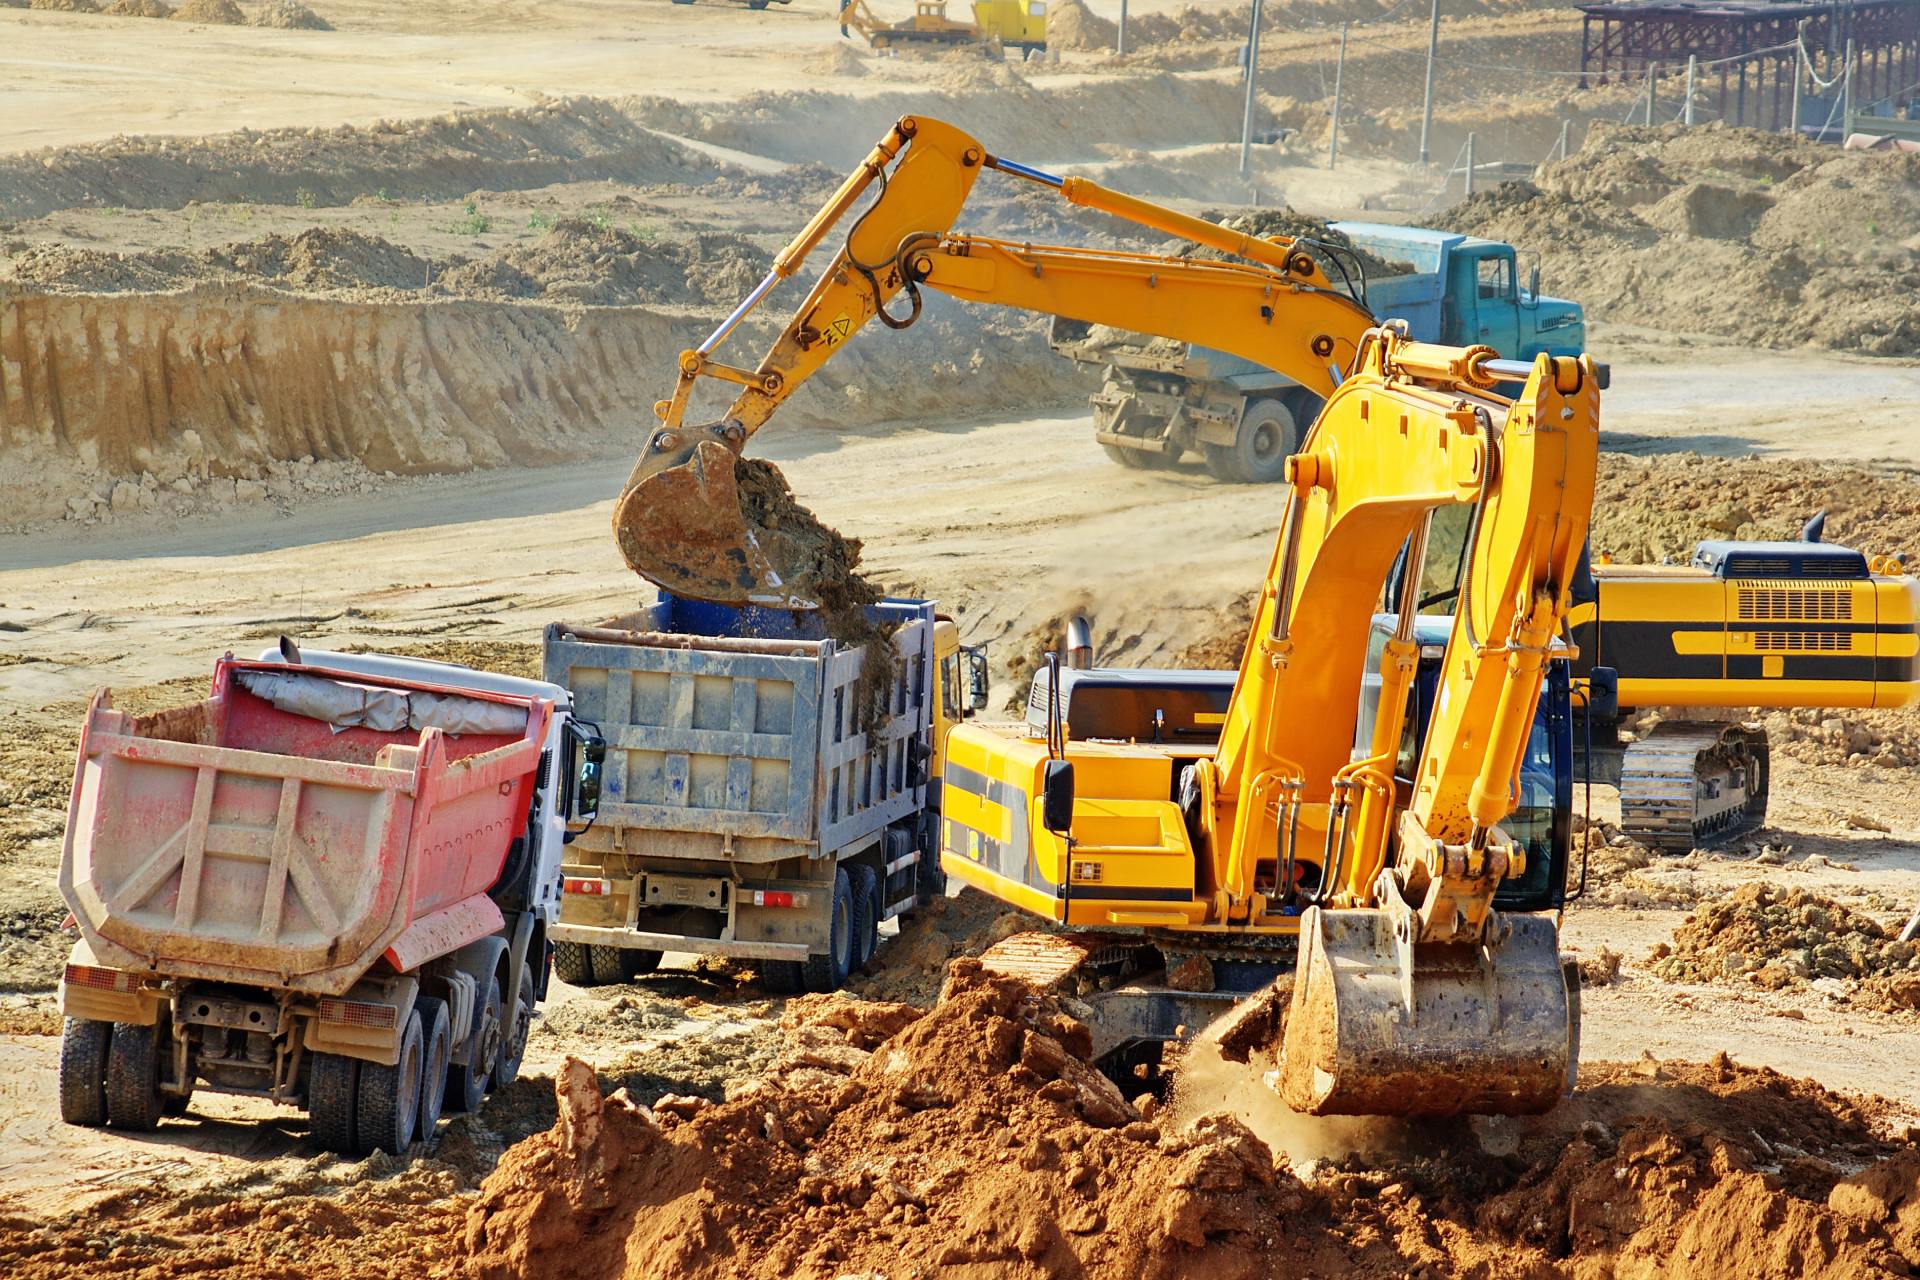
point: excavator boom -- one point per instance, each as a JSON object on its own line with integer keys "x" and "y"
{"x": 1277, "y": 307}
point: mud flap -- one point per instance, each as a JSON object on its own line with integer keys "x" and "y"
{"x": 1379, "y": 1026}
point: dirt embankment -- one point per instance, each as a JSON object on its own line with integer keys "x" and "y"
{"x": 1734, "y": 232}
{"x": 1071, "y": 25}
{"x": 976, "y": 1137}
{"x": 571, "y": 140}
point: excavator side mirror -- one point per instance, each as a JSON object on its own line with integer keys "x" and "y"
{"x": 1056, "y": 797}
{"x": 977, "y": 678}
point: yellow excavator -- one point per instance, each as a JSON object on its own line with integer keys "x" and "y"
{"x": 1015, "y": 24}
{"x": 1410, "y": 994}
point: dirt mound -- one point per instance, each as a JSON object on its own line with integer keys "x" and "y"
{"x": 1071, "y": 25}
{"x": 837, "y": 60}
{"x": 581, "y": 262}
{"x": 1735, "y": 232}
{"x": 975, "y": 1136}
{"x": 911, "y": 966}
{"x": 1778, "y": 938}
{"x": 65, "y": 6}
{"x": 290, "y": 15}
{"x": 140, "y": 9}
{"x": 1649, "y": 510}
{"x": 441, "y": 158}
{"x": 223, "y": 13}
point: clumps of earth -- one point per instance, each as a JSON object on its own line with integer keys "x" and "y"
{"x": 576, "y": 261}
{"x": 910, "y": 967}
{"x": 1855, "y": 739}
{"x": 193, "y": 483}
{"x": 1781, "y": 939}
{"x": 977, "y": 1137}
{"x": 1748, "y": 235}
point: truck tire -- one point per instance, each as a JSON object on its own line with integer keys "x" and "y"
{"x": 828, "y": 971}
{"x": 469, "y": 1082}
{"x": 513, "y": 1042}
{"x": 573, "y": 964}
{"x": 133, "y": 1077}
{"x": 84, "y": 1045}
{"x": 332, "y": 1082}
{"x": 436, "y": 1047}
{"x": 866, "y": 916}
{"x": 782, "y": 977}
{"x": 387, "y": 1109}
{"x": 1258, "y": 454}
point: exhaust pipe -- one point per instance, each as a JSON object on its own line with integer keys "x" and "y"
{"x": 1079, "y": 642}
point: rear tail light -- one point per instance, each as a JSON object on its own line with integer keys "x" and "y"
{"x": 587, "y": 886}
{"x": 775, "y": 898}
{"x": 359, "y": 1013}
{"x": 83, "y": 975}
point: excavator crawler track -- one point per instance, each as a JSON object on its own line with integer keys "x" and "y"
{"x": 1689, "y": 785}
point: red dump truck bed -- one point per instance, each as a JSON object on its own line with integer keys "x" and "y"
{"x": 297, "y": 825}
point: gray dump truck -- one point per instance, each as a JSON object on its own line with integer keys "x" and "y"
{"x": 1164, "y": 399}
{"x": 746, "y": 812}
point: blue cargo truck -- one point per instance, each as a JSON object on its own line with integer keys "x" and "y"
{"x": 1164, "y": 399}
{"x": 745, "y": 808}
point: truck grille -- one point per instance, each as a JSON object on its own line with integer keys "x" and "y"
{"x": 1771, "y": 603}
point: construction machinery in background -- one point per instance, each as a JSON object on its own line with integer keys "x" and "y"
{"x": 748, "y": 811}
{"x": 1409, "y": 992}
{"x": 1163, "y": 399}
{"x": 330, "y": 884}
{"x": 1011, "y": 24}
{"x": 1746, "y": 624}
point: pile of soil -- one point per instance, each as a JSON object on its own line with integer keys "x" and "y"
{"x": 976, "y": 1137}
{"x": 139, "y": 9}
{"x": 1854, "y": 739}
{"x": 223, "y": 13}
{"x": 1754, "y": 236}
{"x": 65, "y": 6}
{"x": 1780, "y": 939}
{"x": 1284, "y": 221}
{"x": 910, "y": 967}
{"x": 1656, "y": 509}
{"x": 580, "y": 262}
{"x": 290, "y": 15}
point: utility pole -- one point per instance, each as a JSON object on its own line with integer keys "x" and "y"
{"x": 1653, "y": 69}
{"x": 1799, "y": 74}
{"x": 1693, "y": 69}
{"x": 1120, "y": 44}
{"x": 1253, "y": 74}
{"x": 1469, "y": 180}
{"x": 1846, "y": 96}
{"x": 1566, "y": 127}
{"x": 1339, "y": 71}
{"x": 1426, "y": 108}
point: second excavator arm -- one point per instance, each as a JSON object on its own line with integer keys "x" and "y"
{"x": 1276, "y": 306}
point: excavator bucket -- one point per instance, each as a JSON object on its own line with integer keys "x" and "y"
{"x": 1378, "y": 1026}
{"x": 687, "y": 523}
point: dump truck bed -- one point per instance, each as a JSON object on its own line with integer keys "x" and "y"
{"x": 297, "y": 825}
{"x": 731, "y": 733}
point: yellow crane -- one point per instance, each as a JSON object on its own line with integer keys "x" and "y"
{"x": 1411, "y": 993}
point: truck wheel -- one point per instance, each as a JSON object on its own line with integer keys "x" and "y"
{"x": 469, "y": 1082}
{"x": 513, "y": 1043}
{"x": 1131, "y": 459}
{"x": 84, "y": 1045}
{"x": 331, "y": 1084}
{"x": 782, "y": 977}
{"x": 828, "y": 972}
{"x": 572, "y": 963}
{"x": 617, "y": 964}
{"x": 636, "y": 961}
{"x": 133, "y": 1077}
{"x": 1258, "y": 454}
{"x": 436, "y": 1044}
{"x": 866, "y": 916}
{"x": 388, "y": 1107}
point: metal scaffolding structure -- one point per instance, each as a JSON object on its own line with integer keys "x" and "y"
{"x": 1749, "y": 45}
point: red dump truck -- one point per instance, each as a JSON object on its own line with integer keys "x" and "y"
{"x": 329, "y": 884}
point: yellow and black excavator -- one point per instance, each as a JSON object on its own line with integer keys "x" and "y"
{"x": 1411, "y": 993}
{"x": 1014, "y": 24}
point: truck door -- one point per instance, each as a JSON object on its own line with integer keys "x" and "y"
{"x": 1486, "y": 299}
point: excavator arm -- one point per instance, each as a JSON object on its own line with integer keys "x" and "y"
{"x": 1276, "y": 307}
